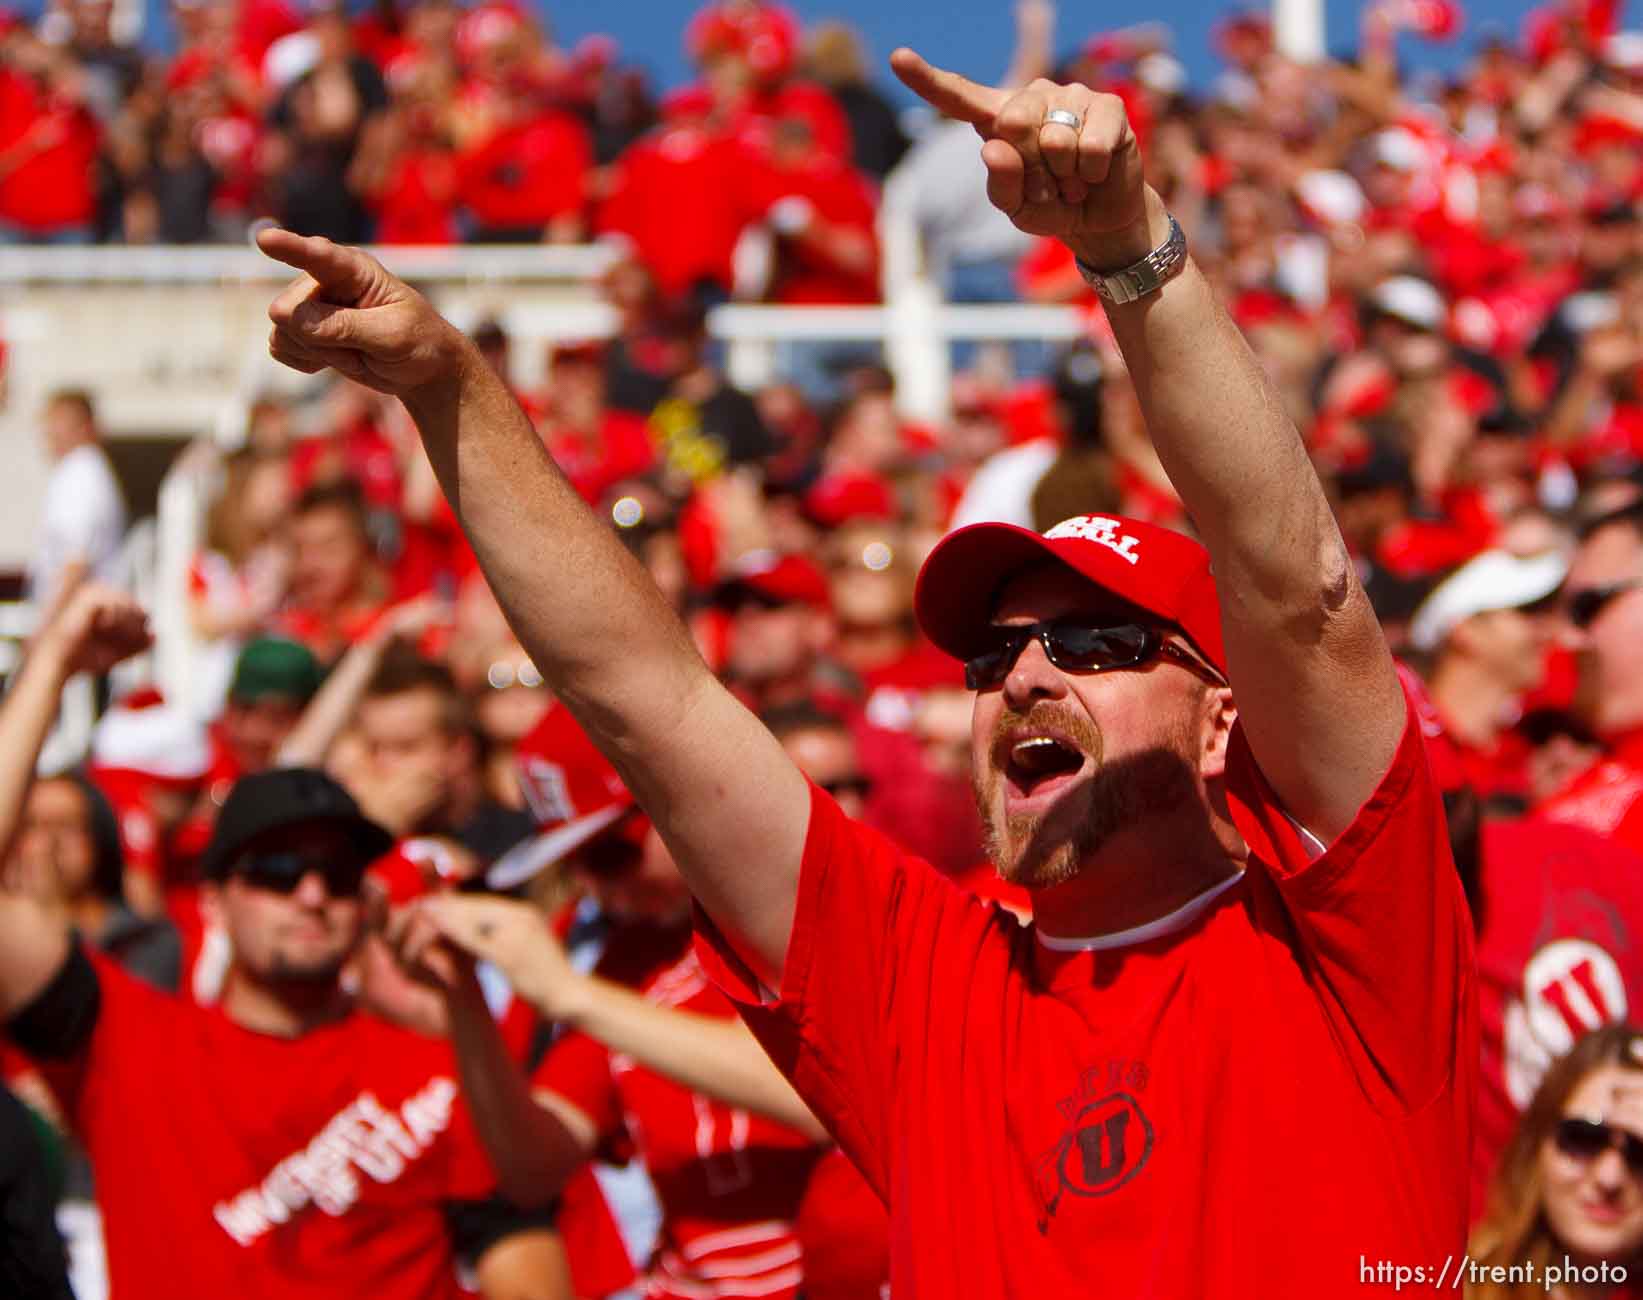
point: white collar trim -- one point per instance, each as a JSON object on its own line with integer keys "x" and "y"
{"x": 1179, "y": 919}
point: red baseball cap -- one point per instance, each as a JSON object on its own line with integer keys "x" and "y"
{"x": 571, "y": 789}
{"x": 1155, "y": 569}
{"x": 782, "y": 579}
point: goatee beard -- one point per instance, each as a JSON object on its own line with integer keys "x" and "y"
{"x": 1042, "y": 850}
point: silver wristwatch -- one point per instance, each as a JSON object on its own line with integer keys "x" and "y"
{"x": 1141, "y": 278}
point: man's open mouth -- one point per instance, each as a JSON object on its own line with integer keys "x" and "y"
{"x": 1035, "y": 760}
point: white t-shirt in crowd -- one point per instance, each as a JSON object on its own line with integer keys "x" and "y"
{"x": 83, "y": 519}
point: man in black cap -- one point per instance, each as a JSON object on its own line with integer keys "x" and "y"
{"x": 298, "y": 1146}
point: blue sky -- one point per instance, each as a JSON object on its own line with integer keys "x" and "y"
{"x": 975, "y": 35}
{"x": 971, "y": 35}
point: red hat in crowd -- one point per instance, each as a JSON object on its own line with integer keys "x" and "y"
{"x": 838, "y": 499}
{"x": 779, "y": 579}
{"x": 1157, "y": 570}
{"x": 414, "y": 867}
{"x": 766, "y": 35}
{"x": 571, "y": 789}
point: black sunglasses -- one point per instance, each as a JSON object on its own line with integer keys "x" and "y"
{"x": 1078, "y": 647}
{"x": 1587, "y": 603}
{"x": 1586, "y": 1139}
{"x": 281, "y": 873}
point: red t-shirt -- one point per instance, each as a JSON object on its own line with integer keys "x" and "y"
{"x": 730, "y": 1182}
{"x": 417, "y": 201}
{"x": 594, "y": 466}
{"x": 678, "y": 194}
{"x": 1250, "y": 1104}
{"x": 527, "y": 173}
{"x": 1560, "y": 952}
{"x": 53, "y": 186}
{"x": 231, "y": 1163}
{"x": 1500, "y": 770}
{"x": 1607, "y": 798}
{"x": 845, "y": 1234}
{"x": 805, "y": 273}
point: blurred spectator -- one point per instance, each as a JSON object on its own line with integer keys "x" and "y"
{"x": 699, "y": 422}
{"x": 83, "y": 517}
{"x": 109, "y": 70}
{"x": 1604, "y": 600}
{"x": 1488, "y": 644}
{"x": 237, "y": 582}
{"x": 820, "y": 213}
{"x": 1569, "y": 1183}
{"x": 1559, "y": 921}
{"x": 523, "y": 181}
{"x": 729, "y": 1179}
{"x": 834, "y": 57}
{"x": 422, "y": 770}
{"x": 273, "y": 682}
{"x": 1561, "y": 747}
{"x": 48, "y": 145}
{"x": 507, "y": 706}
{"x": 780, "y": 622}
{"x": 595, "y": 446}
{"x": 821, "y": 744}
{"x": 969, "y": 247}
{"x": 337, "y": 588}
{"x": 406, "y": 167}
{"x": 677, "y": 195}
{"x": 149, "y": 758}
{"x": 747, "y": 51}
{"x": 287, "y": 1048}
{"x": 317, "y": 123}
{"x": 67, "y": 854}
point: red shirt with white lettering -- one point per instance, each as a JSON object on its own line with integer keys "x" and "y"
{"x": 232, "y": 1163}
{"x": 1248, "y": 1098}
{"x": 1560, "y": 953}
{"x": 730, "y": 1182}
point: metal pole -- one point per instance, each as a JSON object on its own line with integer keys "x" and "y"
{"x": 1298, "y": 29}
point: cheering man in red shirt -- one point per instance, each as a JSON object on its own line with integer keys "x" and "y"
{"x": 285, "y": 1144}
{"x": 1235, "y": 1053}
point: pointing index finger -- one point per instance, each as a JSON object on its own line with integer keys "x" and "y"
{"x": 342, "y": 273}
{"x": 948, "y": 93}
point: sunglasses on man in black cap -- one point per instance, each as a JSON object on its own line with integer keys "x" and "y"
{"x": 247, "y": 843}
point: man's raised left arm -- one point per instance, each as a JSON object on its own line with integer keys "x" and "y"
{"x": 1314, "y": 681}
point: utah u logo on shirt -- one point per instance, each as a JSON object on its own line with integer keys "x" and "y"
{"x": 1106, "y": 1142}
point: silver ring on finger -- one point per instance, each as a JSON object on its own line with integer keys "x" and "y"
{"x": 1063, "y": 117}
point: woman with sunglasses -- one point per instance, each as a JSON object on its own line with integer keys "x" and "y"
{"x": 1568, "y": 1194}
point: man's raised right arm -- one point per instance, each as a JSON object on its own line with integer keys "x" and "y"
{"x": 730, "y": 804}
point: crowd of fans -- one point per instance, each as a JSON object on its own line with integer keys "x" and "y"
{"x": 1444, "y": 278}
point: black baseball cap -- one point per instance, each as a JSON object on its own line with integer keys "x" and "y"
{"x": 287, "y": 797}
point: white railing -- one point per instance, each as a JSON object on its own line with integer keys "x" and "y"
{"x": 168, "y": 264}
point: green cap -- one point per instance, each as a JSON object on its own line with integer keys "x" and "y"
{"x": 275, "y": 666}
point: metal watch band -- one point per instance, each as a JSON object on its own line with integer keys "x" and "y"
{"x": 1143, "y": 277}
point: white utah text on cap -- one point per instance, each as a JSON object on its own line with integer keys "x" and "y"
{"x": 1098, "y": 528}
